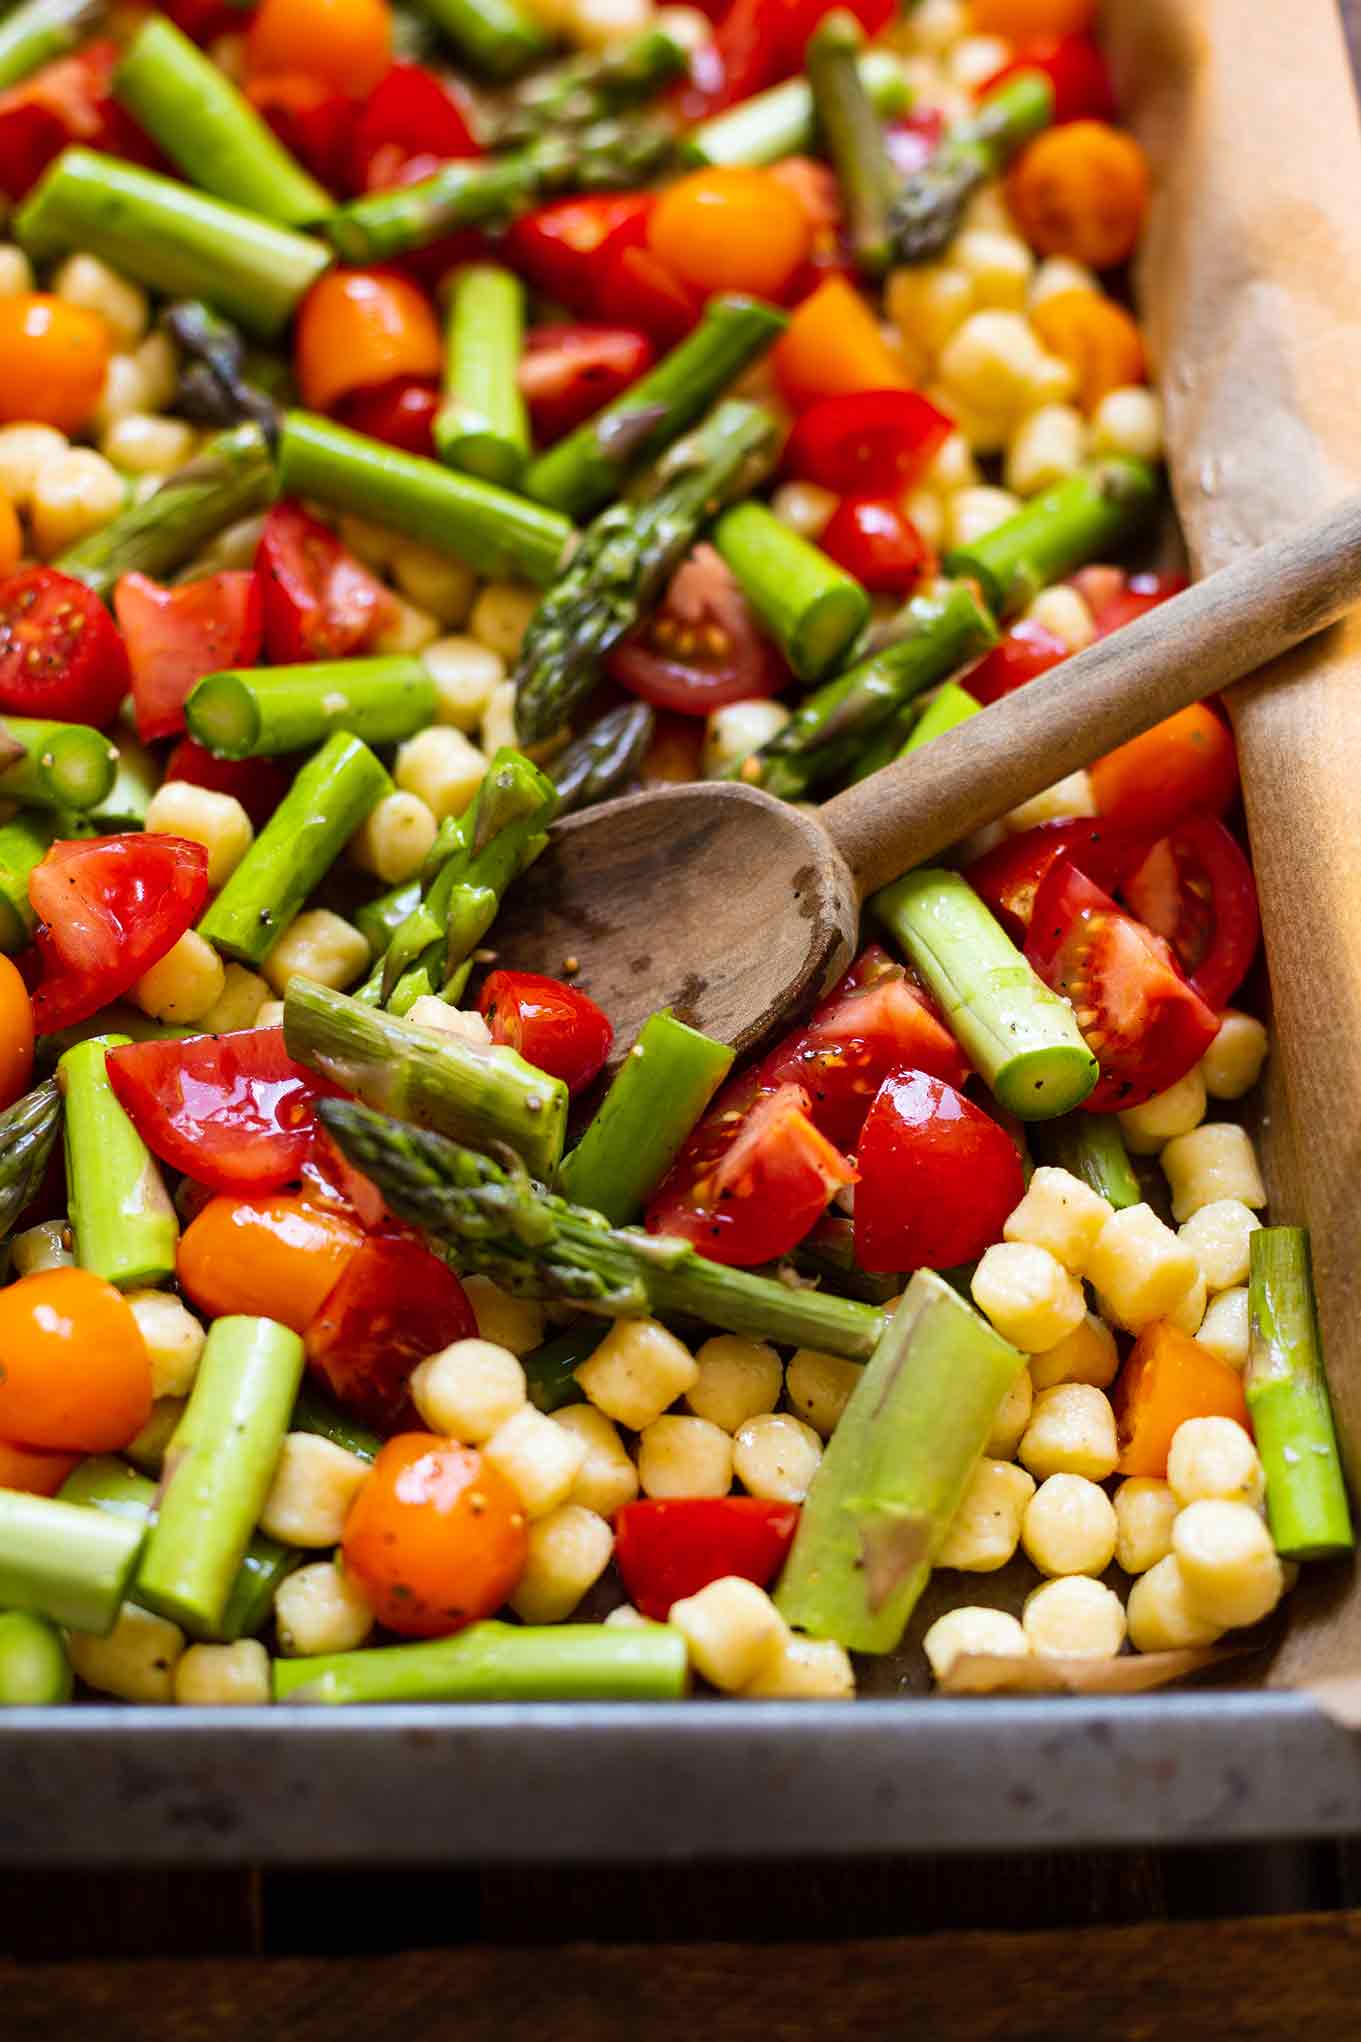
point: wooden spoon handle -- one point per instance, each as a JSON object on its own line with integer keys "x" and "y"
{"x": 1222, "y": 628}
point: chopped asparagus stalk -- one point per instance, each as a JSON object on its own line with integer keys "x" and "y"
{"x": 135, "y": 781}
{"x": 170, "y": 238}
{"x": 589, "y": 468}
{"x": 1021, "y": 1038}
{"x": 604, "y": 759}
{"x": 60, "y": 1561}
{"x": 1092, "y": 1147}
{"x": 120, "y": 1211}
{"x": 379, "y": 920}
{"x": 895, "y": 1469}
{"x": 950, "y": 706}
{"x": 24, "y": 843}
{"x": 828, "y": 1256}
{"x": 1084, "y": 517}
{"x": 595, "y": 84}
{"x": 28, "y": 1131}
{"x": 781, "y": 122}
{"x": 813, "y": 609}
{"x": 499, "y": 38}
{"x": 850, "y": 130}
{"x": 210, "y": 130}
{"x": 1287, "y": 1392}
{"x": 218, "y": 1468}
{"x": 35, "y": 1672}
{"x": 313, "y": 1413}
{"x": 659, "y": 1092}
{"x": 214, "y": 387}
{"x": 491, "y": 530}
{"x": 482, "y": 425}
{"x": 63, "y": 765}
{"x": 328, "y": 800}
{"x": 38, "y": 31}
{"x": 500, "y": 1662}
{"x": 929, "y": 207}
{"x": 250, "y": 713}
{"x": 551, "y": 1370}
{"x": 486, "y": 1219}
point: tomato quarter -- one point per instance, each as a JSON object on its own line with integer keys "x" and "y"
{"x": 671, "y": 1548}
{"x": 552, "y": 1025}
{"x": 875, "y": 443}
{"x": 938, "y": 1177}
{"x": 174, "y": 636}
{"x": 320, "y": 603}
{"x": 109, "y": 908}
{"x": 394, "y": 1304}
{"x": 1195, "y": 888}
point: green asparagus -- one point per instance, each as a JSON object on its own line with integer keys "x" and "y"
{"x": 500, "y": 1662}
{"x": 214, "y": 385}
{"x": 499, "y": 38}
{"x": 61, "y": 765}
{"x": 812, "y": 608}
{"x": 603, "y": 760}
{"x": 659, "y": 1092}
{"x": 38, "y": 31}
{"x": 851, "y": 133}
{"x": 928, "y": 208}
{"x": 781, "y": 122}
{"x": 24, "y": 842}
{"x": 482, "y": 425}
{"x": 28, "y": 1133}
{"x": 35, "y": 1672}
{"x": 1092, "y": 1147}
{"x": 551, "y": 1370}
{"x": 379, "y": 920}
{"x": 1287, "y": 1391}
{"x": 60, "y": 1561}
{"x": 1080, "y": 519}
{"x": 950, "y": 706}
{"x": 254, "y": 712}
{"x": 595, "y": 84}
{"x": 313, "y": 1413}
{"x": 135, "y": 780}
{"x": 121, "y": 1215}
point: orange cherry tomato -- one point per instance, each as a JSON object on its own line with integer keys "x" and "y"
{"x": 345, "y": 43}
{"x": 359, "y": 327}
{"x": 1028, "y": 21}
{"x": 53, "y": 357}
{"x": 277, "y": 1257}
{"x": 730, "y": 229}
{"x": 1168, "y": 1378}
{"x": 16, "y": 1034}
{"x": 11, "y": 537}
{"x": 1080, "y": 190}
{"x": 1183, "y": 765}
{"x": 76, "y": 1372}
{"x": 32, "y": 1470}
{"x": 833, "y": 348}
{"x": 1096, "y": 337}
{"x": 436, "y": 1538}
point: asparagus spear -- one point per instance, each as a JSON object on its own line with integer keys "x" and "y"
{"x": 850, "y": 130}
{"x": 604, "y": 759}
{"x": 499, "y": 38}
{"x": 24, "y": 843}
{"x": 60, "y": 1561}
{"x": 34, "y": 1669}
{"x": 40, "y": 30}
{"x": 482, "y": 425}
{"x": 171, "y": 238}
{"x": 928, "y": 208}
{"x": 828, "y": 1256}
{"x": 1090, "y": 1146}
{"x": 379, "y": 920}
{"x": 482, "y": 1217}
{"x": 62, "y": 765}
{"x": 626, "y": 558}
{"x": 135, "y": 781}
{"x": 28, "y": 1131}
{"x": 551, "y": 1370}
{"x": 659, "y": 1092}
{"x": 214, "y": 388}
{"x": 781, "y": 122}
{"x": 121, "y": 1215}
{"x": 500, "y": 1662}
{"x": 209, "y": 130}
{"x": 937, "y": 633}
{"x": 893, "y": 1472}
{"x": 494, "y": 532}
{"x": 1082, "y": 518}
{"x": 250, "y": 713}
{"x": 488, "y": 1096}
{"x": 1021, "y": 1039}
{"x": 1287, "y": 1392}
{"x": 321, "y": 811}
{"x": 596, "y": 84}
{"x": 230, "y": 478}
{"x": 949, "y": 706}
{"x": 589, "y": 468}
{"x": 811, "y": 607}
{"x": 218, "y": 1469}
{"x": 312, "y": 1413}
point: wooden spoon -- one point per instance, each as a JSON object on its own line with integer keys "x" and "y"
{"x": 736, "y": 909}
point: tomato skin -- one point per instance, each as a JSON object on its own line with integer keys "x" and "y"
{"x": 1074, "y": 67}
{"x": 1196, "y": 890}
{"x": 77, "y": 1377}
{"x": 668, "y": 1549}
{"x": 1026, "y": 651}
{"x": 760, "y": 42}
{"x": 873, "y": 443}
{"x": 400, "y": 413}
{"x": 727, "y": 228}
{"x": 702, "y": 647}
{"x": 636, "y": 288}
{"x": 69, "y": 100}
{"x": 1116, "y": 598}
{"x": 16, "y": 1034}
{"x": 833, "y": 348}
{"x": 1008, "y": 877}
{"x": 320, "y": 603}
{"x": 413, "y": 113}
{"x": 314, "y": 122}
{"x": 275, "y": 1255}
{"x": 35, "y": 1470}
{"x": 552, "y": 1025}
{"x": 876, "y": 541}
{"x": 394, "y": 1304}
{"x": 60, "y": 652}
{"x": 558, "y": 247}
{"x": 568, "y": 373}
{"x": 361, "y": 327}
{"x": 174, "y": 636}
{"x": 109, "y": 908}
{"x": 1080, "y": 190}
{"x": 345, "y": 43}
{"x": 436, "y": 1538}
{"x": 53, "y": 360}
{"x": 258, "y": 784}
{"x": 938, "y": 1178}
{"x": 1183, "y": 765}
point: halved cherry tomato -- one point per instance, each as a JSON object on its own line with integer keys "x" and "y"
{"x": 394, "y": 1304}
{"x": 110, "y": 908}
{"x": 1096, "y": 337}
{"x": 313, "y": 120}
{"x": 1008, "y": 877}
{"x": 345, "y": 43}
{"x": 636, "y": 288}
{"x": 277, "y": 1255}
{"x": 729, "y": 228}
{"x": 833, "y": 348}
{"x": 1195, "y": 888}
{"x": 749, "y": 1185}
{"x": 1116, "y": 598}
{"x": 410, "y": 112}
{"x": 60, "y": 653}
{"x": 203, "y": 21}
{"x": 1074, "y": 67}
{"x": 702, "y": 647}
{"x": 938, "y": 1177}
{"x": 1167, "y": 1378}
{"x": 77, "y": 1375}
{"x": 1180, "y": 766}
{"x": 558, "y": 247}
{"x": 258, "y": 784}
{"x": 873, "y": 443}
{"x": 568, "y": 372}
{"x": 1024, "y": 652}
{"x": 68, "y": 101}
{"x": 329, "y": 1176}
{"x": 1082, "y": 191}
{"x": 401, "y": 413}
{"x": 232, "y": 1111}
{"x": 758, "y": 43}
{"x": 320, "y": 603}
{"x": 34, "y": 1470}
{"x": 670, "y": 1549}
{"x": 436, "y": 1537}
{"x": 552, "y": 1025}
{"x": 53, "y": 360}
{"x": 16, "y": 1035}
{"x": 174, "y": 636}
{"x": 1143, "y": 1022}
{"x": 360, "y": 327}
{"x": 875, "y": 540}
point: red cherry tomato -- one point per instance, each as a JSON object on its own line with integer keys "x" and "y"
{"x": 400, "y": 412}
{"x": 393, "y": 1304}
{"x": 203, "y": 20}
{"x": 877, "y": 542}
{"x": 670, "y": 1549}
{"x": 750, "y": 1190}
{"x": 1008, "y": 877}
{"x": 702, "y": 647}
{"x": 636, "y": 288}
{"x": 174, "y": 636}
{"x": 758, "y": 43}
{"x": 313, "y": 120}
{"x": 68, "y": 101}
{"x": 60, "y": 655}
{"x": 938, "y": 1177}
{"x": 258, "y": 784}
{"x": 1074, "y": 67}
{"x": 567, "y": 373}
{"x": 233, "y": 1112}
{"x": 1026, "y": 650}
{"x": 558, "y": 247}
{"x": 1143, "y": 1022}
{"x": 552, "y": 1025}
{"x": 875, "y": 443}
{"x": 1116, "y": 598}
{"x": 1195, "y": 889}
{"x": 320, "y": 603}
{"x": 409, "y": 113}
{"x": 109, "y": 908}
